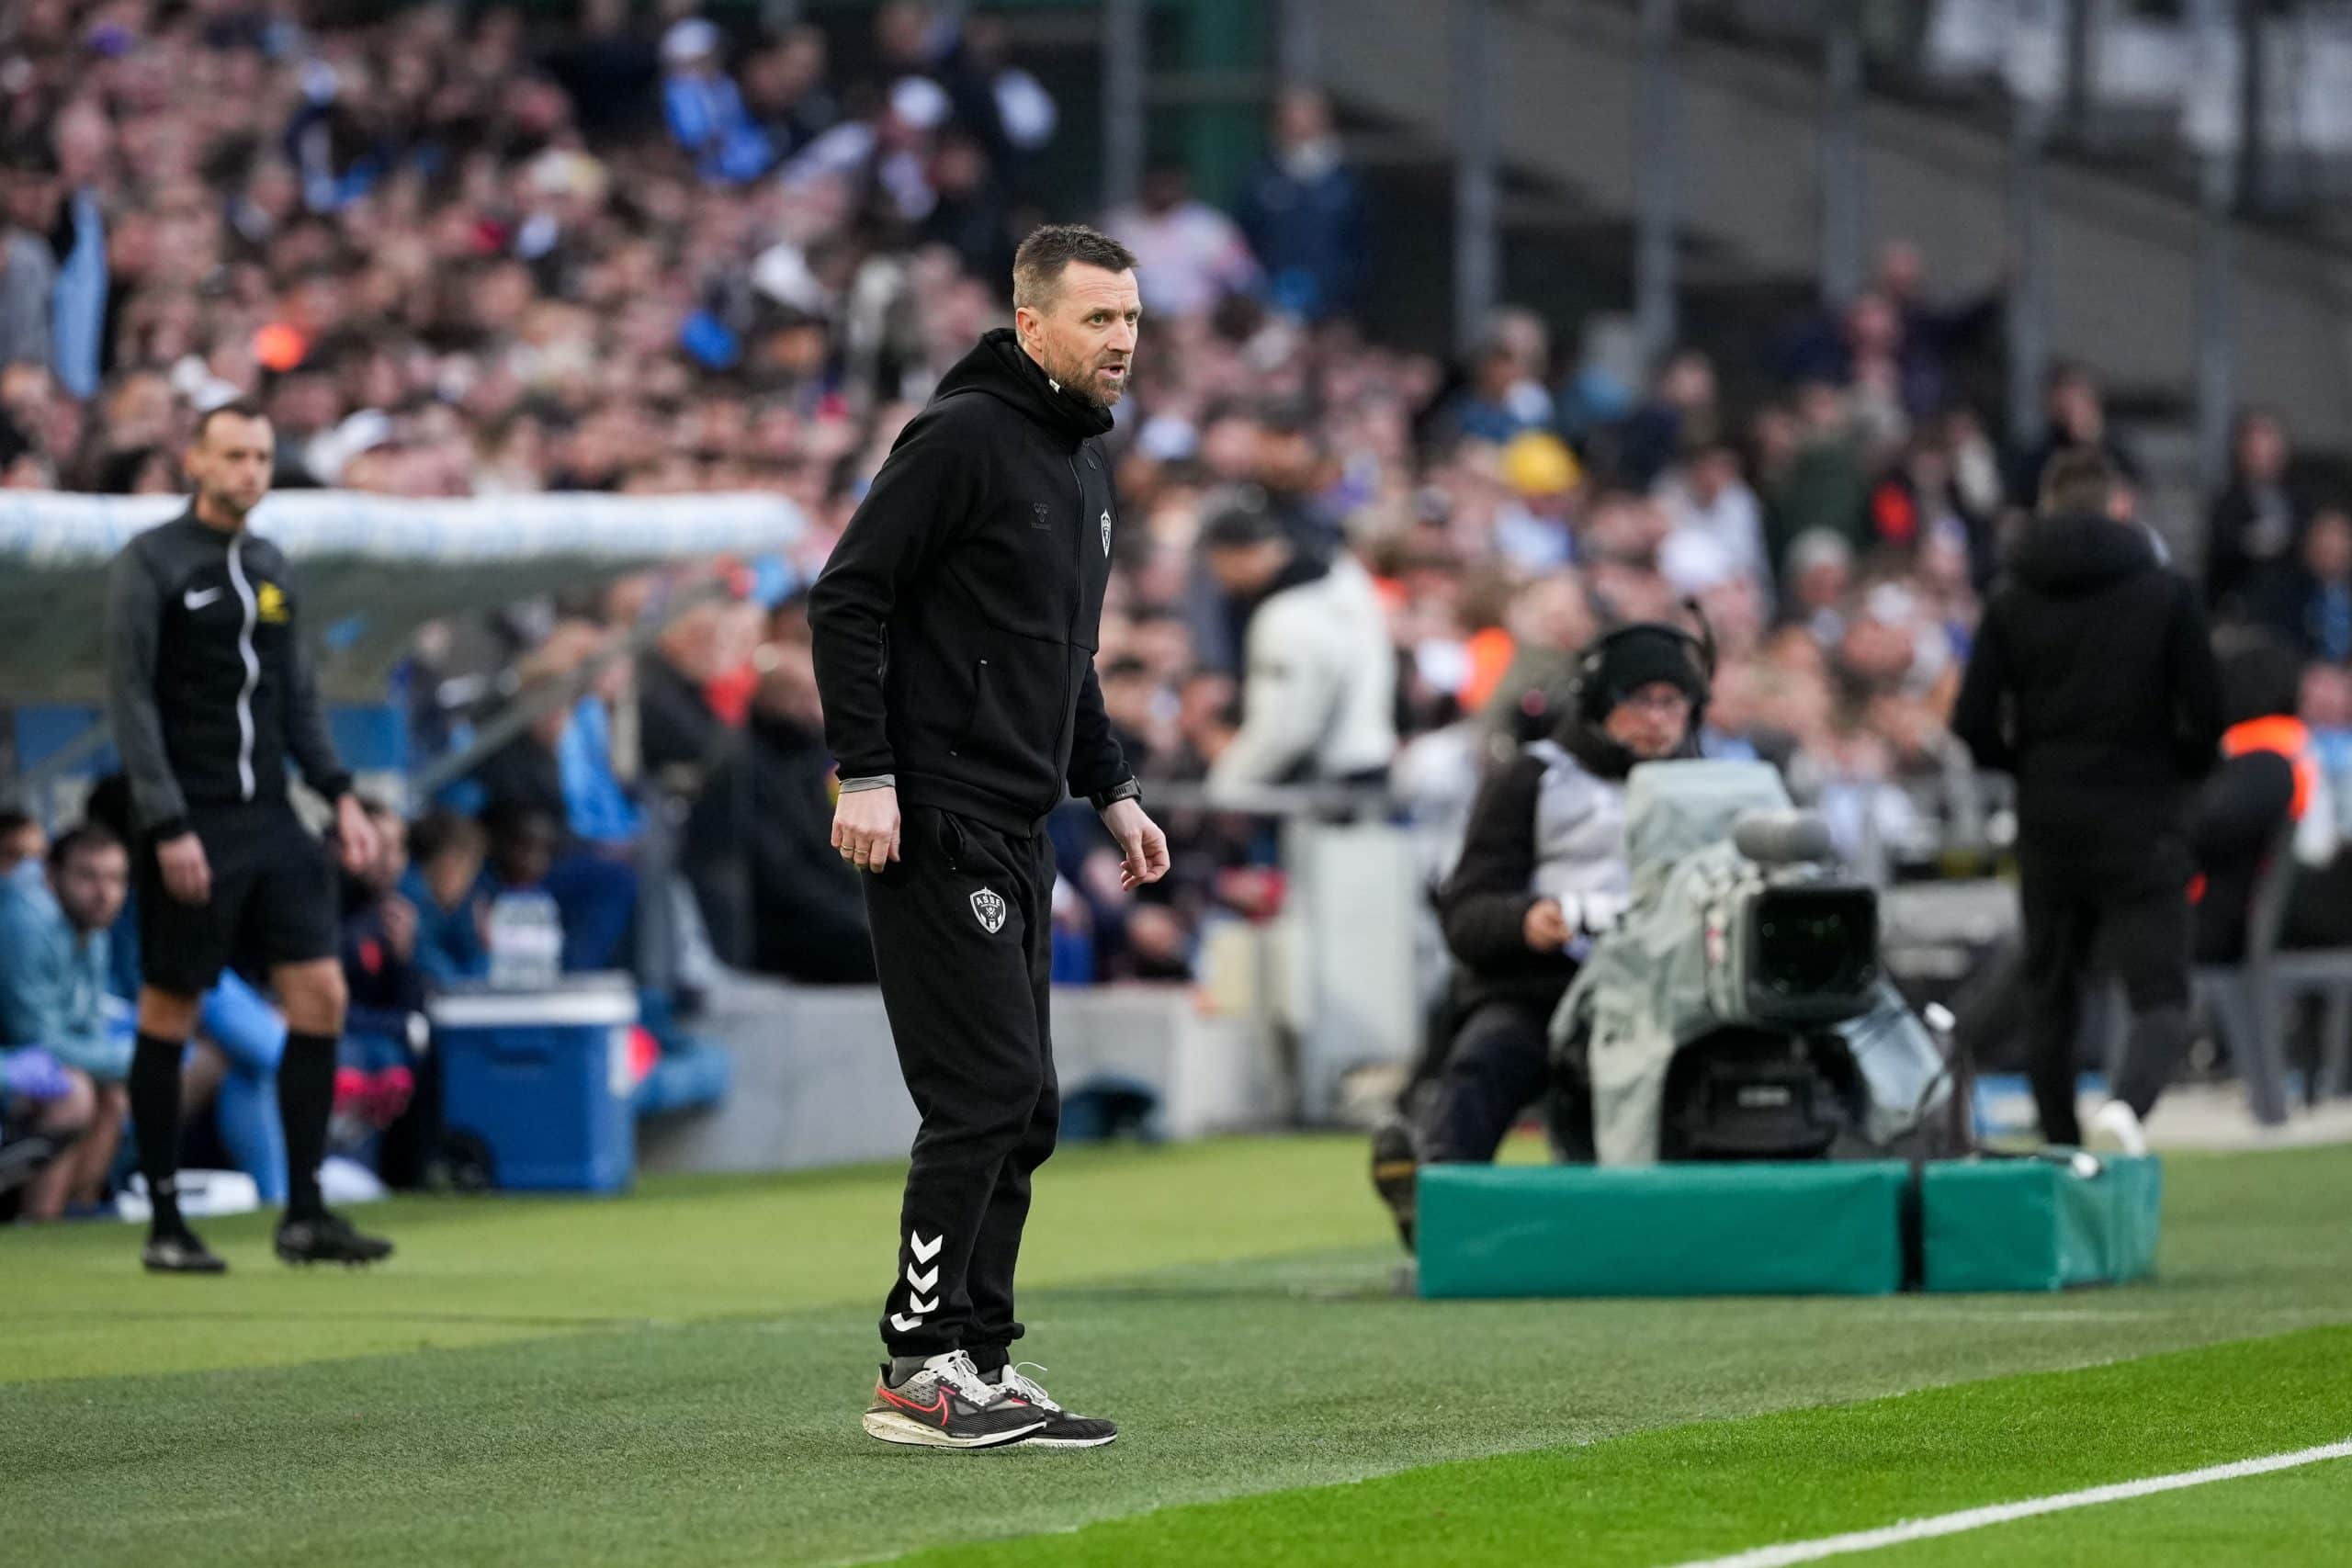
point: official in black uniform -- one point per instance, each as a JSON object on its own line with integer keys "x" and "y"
{"x": 2093, "y": 679}
{"x": 212, "y": 694}
{"x": 954, "y": 634}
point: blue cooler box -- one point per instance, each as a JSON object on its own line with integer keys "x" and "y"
{"x": 543, "y": 1078}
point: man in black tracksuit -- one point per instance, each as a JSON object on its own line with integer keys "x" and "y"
{"x": 210, "y": 694}
{"x": 954, "y": 630}
{"x": 2093, "y": 681}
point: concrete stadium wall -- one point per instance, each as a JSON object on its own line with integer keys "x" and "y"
{"x": 817, "y": 1082}
{"x": 2122, "y": 254}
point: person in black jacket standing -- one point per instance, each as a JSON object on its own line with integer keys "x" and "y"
{"x": 210, "y": 694}
{"x": 1543, "y": 871}
{"x": 954, "y": 630}
{"x": 2093, "y": 681}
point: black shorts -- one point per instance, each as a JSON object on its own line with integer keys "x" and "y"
{"x": 273, "y": 900}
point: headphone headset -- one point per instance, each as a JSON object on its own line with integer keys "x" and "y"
{"x": 1584, "y": 683}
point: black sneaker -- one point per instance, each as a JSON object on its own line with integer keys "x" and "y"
{"x": 1062, "y": 1429}
{"x": 946, "y": 1403}
{"x": 180, "y": 1253}
{"x": 330, "y": 1238}
{"x": 1395, "y": 1169}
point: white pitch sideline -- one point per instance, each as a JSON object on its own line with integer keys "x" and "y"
{"x": 2001, "y": 1514}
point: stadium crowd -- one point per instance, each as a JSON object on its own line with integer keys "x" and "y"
{"x": 454, "y": 254}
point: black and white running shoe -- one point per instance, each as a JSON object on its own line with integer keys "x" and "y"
{"x": 944, "y": 1403}
{"x": 1062, "y": 1429}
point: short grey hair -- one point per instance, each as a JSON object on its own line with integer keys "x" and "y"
{"x": 1046, "y": 253}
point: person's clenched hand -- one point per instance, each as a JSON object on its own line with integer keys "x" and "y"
{"x": 865, "y": 827}
{"x": 1546, "y": 926}
{"x": 188, "y": 876}
{"x": 1143, "y": 848}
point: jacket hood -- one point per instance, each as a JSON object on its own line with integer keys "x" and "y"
{"x": 2080, "y": 554}
{"x": 998, "y": 366}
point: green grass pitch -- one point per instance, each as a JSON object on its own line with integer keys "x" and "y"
{"x": 675, "y": 1377}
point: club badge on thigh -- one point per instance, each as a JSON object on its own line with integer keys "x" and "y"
{"x": 989, "y": 908}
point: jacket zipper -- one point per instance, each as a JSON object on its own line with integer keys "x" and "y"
{"x": 1077, "y": 607}
{"x": 253, "y": 674}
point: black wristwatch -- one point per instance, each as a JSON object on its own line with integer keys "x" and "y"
{"x": 1125, "y": 789}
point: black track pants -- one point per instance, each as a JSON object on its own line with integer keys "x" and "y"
{"x": 963, "y": 946}
{"x": 2143, "y": 939}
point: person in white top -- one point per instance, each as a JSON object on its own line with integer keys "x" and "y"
{"x": 1188, "y": 254}
{"x": 1715, "y": 516}
{"x": 1319, "y": 679}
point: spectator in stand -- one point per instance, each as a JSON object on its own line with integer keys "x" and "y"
{"x": 24, "y": 848}
{"x": 28, "y": 267}
{"x": 705, "y": 109}
{"x": 2306, "y": 602}
{"x": 968, "y": 213}
{"x": 2256, "y": 521}
{"x": 1811, "y": 466}
{"x": 440, "y": 886}
{"x": 53, "y": 967}
{"x": 1506, "y": 392}
{"x": 2326, "y": 712}
{"x": 84, "y": 139}
{"x": 1320, "y": 672}
{"x": 775, "y": 894}
{"x": 1303, "y": 211}
{"x": 1682, "y": 413}
{"x": 677, "y": 729}
{"x": 2319, "y": 913}
{"x": 784, "y": 88}
{"x": 1535, "y": 529}
{"x": 1189, "y": 256}
{"x": 609, "y": 67}
{"x": 1549, "y": 621}
{"x": 1143, "y": 725}
{"x": 528, "y": 769}
{"x": 2075, "y": 412}
{"x": 1919, "y": 507}
{"x": 1718, "y": 523}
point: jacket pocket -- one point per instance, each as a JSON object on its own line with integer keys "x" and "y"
{"x": 1007, "y": 742}
{"x": 975, "y": 716}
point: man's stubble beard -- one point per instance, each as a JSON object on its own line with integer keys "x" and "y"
{"x": 1079, "y": 384}
{"x": 223, "y": 503}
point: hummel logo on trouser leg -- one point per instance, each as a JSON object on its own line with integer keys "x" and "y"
{"x": 917, "y": 1307}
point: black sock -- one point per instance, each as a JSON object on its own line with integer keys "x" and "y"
{"x": 305, "y": 1101}
{"x": 156, "y": 1113}
{"x": 989, "y": 1359}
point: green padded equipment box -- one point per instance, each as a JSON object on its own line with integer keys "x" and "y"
{"x": 2035, "y": 1225}
{"x": 1666, "y": 1230}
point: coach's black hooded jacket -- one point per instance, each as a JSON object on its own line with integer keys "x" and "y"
{"x": 955, "y": 624}
{"x": 209, "y": 687}
{"x": 2093, "y": 681}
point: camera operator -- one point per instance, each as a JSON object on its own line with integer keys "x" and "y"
{"x": 1542, "y": 871}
